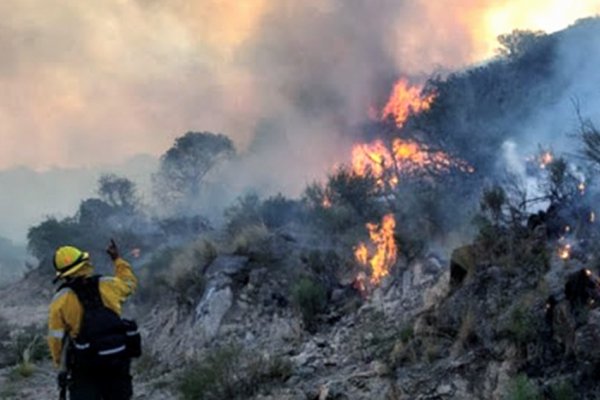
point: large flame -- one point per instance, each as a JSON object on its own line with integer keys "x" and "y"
{"x": 404, "y": 101}
{"x": 374, "y": 158}
{"x": 404, "y": 158}
{"x": 385, "y": 253}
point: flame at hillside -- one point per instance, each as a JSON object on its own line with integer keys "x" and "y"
{"x": 385, "y": 253}
{"x": 404, "y": 101}
{"x": 405, "y": 158}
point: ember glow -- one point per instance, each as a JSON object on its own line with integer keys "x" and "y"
{"x": 384, "y": 254}
{"x": 564, "y": 251}
{"x": 404, "y": 101}
{"x": 545, "y": 158}
{"x": 405, "y": 158}
{"x": 136, "y": 253}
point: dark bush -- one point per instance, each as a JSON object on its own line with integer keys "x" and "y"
{"x": 277, "y": 211}
{"x": 310, "y": 297}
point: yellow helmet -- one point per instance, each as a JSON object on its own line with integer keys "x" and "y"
{"x": 68, "y": 260}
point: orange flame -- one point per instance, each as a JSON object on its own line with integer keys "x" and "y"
{"x": 404, "y": 101}
{"x": 361, "y": 253}
{"x": 405, "y": 158}
{"x": 374, "y": 158}
{"x": 386, "y": 252}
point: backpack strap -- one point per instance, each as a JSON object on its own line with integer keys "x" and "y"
{"x": 87, "y": 291}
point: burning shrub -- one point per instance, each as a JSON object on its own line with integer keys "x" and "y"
{"x": 310, "y": 298}
{"x": 561, "y": 185}
{"x": 346, "y": 201}
{"x": 383, "y": 257}
{"x": 506, "y": 235}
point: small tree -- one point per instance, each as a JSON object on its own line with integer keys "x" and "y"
{"x": 590, "y": 136}
{"x": 560, "y": 185}
{"x": 518, "y": 42}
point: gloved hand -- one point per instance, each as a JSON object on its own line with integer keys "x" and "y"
{"x": 112, "y": 250}
{"x": 62, "y": 379}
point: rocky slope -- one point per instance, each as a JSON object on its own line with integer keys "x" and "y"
{"x": 496, "y": 332}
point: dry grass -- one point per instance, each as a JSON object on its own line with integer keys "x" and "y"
{"x": 465, "y": 332}
{"x": 190, "y": 261}
{"x": 249, "y": 238}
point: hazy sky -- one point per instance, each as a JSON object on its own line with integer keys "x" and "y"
{"x": 97, "y": 81}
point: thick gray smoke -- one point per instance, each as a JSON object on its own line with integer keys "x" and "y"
{"x": 573, "y": 84}
{"x": 288, "y": 81}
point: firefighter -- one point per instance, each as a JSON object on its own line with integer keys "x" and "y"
{"x": 86, "y": 333}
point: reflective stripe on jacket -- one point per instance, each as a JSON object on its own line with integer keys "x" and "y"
{"x": 66, "y": 313}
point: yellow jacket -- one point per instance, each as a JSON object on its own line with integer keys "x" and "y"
{"x": 66, "y": 313}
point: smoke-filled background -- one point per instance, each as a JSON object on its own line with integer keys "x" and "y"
{"x": 90, "y": 86}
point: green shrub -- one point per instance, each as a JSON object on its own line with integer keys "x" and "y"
{"x": 521, "y": 388}
{"x": 323, "y": 263}
{"x": 212, "y": 378}
{"x": 250, "y": 239}
{"x": 230, "y": 373}
{"x": 152, "y": 283}
{"x": 28, "y": 346}
{"x": 185, "y": 273}
{"x": 521, "y": 327}
{"x": 277, "y": 211}
{"x": 563, "y": 391}
{"x": 244, "y": 212}
{"x": 310, "y": 297}
{"x": 406, "y": 333}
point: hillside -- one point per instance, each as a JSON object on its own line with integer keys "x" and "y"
{"x": 433, "y": 266}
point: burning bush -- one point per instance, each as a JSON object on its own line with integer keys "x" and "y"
{"x": 346, "y": 201}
